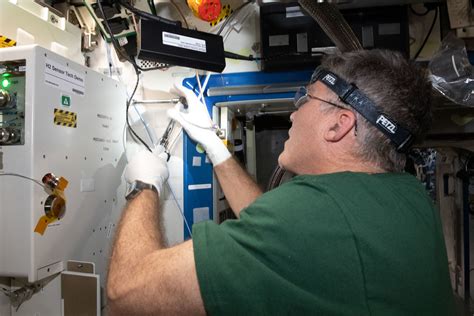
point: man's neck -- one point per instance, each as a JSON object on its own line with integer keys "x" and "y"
{"x": 346, "y": 162}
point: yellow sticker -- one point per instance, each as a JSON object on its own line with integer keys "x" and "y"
{"x": 6, "y": 42}
{"x": 65, "y": 118}
{"x": 225, "y": 12}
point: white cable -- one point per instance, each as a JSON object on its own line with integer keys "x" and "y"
{"x": 454, "y": 66}
{"x": 173, "y": 142}
{"x": 213, "y": 126}
{"x": 148, "y": 132}
{"x": 24, "y": 177}
{"x": 145, "y": 124}
{"x": 201, "y": 93}
{"x": 147, "y": 128}
{"x": 198, "y": 81}
{"x": 180, "y": 211}
{"x": 153, "y": 140}
{"x": 171, "y": 145}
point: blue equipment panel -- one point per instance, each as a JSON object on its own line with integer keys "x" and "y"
{"x": 198, "y": 171}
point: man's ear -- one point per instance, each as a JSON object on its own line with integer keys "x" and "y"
{"x": 340, "y": 125}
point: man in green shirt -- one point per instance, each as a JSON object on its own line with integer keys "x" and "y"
{"x": 350, "y": 235}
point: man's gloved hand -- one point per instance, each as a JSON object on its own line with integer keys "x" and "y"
{"x": 148, "y": 167}
{"x": 199, "y": 126}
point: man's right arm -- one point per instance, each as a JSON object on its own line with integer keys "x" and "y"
{"x": 239, "y": 188}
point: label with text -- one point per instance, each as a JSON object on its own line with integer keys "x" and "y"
{"x": 185, "y": 42}
{"x": 64, "y": 78}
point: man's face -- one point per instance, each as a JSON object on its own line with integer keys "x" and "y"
{"x": 303, "y": 147}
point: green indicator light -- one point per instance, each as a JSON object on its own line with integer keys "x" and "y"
{"x": 5, "y": 83}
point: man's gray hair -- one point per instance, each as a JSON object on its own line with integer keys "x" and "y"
{"x": 398, "y": 87}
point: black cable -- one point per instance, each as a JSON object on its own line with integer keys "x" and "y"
{"x": 419, "y": 14}
{"x": 117, "y": 47}
{"x": 230, "y": 18}
{"x": 427, "y": 35}
{"x": 231, "y": 55}
{"x": 147, "y": 15}
{"x": 134, "y": 134}
{"x": 151, "y": 4}
{"x": 137, "y": 72}
{"x": 240, "y": 57}
{"x": 112, "y": 37}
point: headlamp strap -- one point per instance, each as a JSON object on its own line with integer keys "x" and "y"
{"x": 350, "y": 94}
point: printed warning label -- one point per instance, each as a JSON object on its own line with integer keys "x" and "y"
{"x": 65, "y": 118}
{"x": 6, "y": 42}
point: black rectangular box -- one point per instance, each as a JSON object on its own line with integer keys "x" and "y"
{"x": 292, "y": 39}
{"x": 174, "y": 45}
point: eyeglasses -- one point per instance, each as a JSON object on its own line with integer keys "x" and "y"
{"x": 302, "y": 96}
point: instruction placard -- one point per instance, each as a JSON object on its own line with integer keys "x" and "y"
{"x": 64, "y": 78}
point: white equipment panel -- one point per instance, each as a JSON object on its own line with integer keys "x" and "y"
{"x": 27, "y": 22}
{"x": 83, "y": 144}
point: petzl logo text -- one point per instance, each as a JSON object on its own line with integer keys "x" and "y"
{"x": 330, "y": 79}
{"x": 386, "y": 124}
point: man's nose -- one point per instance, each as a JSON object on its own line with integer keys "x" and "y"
{"x": 292, "y": 116}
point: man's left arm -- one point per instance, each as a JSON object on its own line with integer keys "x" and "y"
{"x": 144, "y": 277}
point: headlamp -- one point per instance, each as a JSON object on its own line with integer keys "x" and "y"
{"x": 351, "y": 95}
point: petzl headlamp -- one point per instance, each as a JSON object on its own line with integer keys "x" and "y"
{"x": 350, "y": 94}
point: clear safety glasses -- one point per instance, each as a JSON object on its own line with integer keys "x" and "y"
{"x": 302, "y": 96}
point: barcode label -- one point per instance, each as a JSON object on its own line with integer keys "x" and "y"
{"x": 185, "y": 42}
{"x": 171, "y": 36}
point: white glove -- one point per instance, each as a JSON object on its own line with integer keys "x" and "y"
{"x": 198, "y": 124}
{"x": 148, "y": 167}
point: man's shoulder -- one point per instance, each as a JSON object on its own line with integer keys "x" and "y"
{"x": 304, "y": 195}
{"x": 340, "y": 180}
{"x": 327, "y": 193}
{"x": 355, "y": 181}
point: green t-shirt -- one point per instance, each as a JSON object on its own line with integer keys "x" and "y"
{"x": 335, "y": 244}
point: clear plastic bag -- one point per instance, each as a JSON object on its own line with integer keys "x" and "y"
{"x": 451, "y": 73}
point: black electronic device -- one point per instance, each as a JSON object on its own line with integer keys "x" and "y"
{"x": 292, "y": 39}
{"x": 116, "y": 17}
{"x": 175, "y": 45}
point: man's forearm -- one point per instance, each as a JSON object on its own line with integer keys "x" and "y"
{"x": 138, "y": 235}
{"x": 239, "y": 188}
